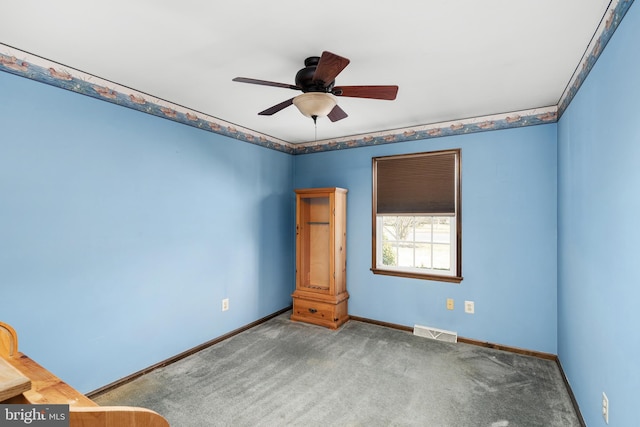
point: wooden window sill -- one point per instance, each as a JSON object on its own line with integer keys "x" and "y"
{"x": 450, "y": 279}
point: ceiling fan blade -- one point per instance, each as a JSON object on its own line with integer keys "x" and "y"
{"x": 337, "y": 113}
{"x": 373, "y": 92}
{"x": 272, "y": 110}
{"x": 265, "y": 83}
{"x": 329, "y": 67}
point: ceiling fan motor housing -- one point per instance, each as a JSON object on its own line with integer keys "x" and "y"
{"x": 304, "y": 77}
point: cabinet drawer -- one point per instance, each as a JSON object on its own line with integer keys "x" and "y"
{"x": 314, "y": 310}
{"x": 320, "y": 313}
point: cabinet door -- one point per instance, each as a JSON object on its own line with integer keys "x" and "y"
{"x": 314, "y": 231}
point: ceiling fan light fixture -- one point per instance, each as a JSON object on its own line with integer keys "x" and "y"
{"x": 318, "y": 104}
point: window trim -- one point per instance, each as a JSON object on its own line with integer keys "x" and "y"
{"x": 457, "y": 276}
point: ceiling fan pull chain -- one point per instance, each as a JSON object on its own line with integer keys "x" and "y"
{"x": 315, "y": 125}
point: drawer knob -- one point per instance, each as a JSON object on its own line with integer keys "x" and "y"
{"x": 313, "y": 310}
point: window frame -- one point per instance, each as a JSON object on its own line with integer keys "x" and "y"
{"x": 456, "y": 275}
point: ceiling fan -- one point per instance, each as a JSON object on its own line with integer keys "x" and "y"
{"x": 317, "y": 81}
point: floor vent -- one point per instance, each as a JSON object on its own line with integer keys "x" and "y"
{"x": 435, "y": 334}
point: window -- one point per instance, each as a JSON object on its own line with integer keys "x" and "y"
{"x": 416, "y": 215}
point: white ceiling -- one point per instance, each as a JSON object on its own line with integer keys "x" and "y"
{"x": 451, "y": 59}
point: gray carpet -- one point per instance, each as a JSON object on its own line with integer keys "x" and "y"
{"x": 283, "y": 373}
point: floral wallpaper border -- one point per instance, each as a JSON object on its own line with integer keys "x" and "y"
{"x": 23, "y": 64}
{"x": 456, "y": 127}
{"x": 27, "y": 65}
{"x": 615, "y": 13}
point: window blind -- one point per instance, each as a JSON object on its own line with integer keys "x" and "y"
{"x": 416, "y": 184}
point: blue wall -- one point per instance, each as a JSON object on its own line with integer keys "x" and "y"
{"x": 598, "y": 214}
{"x": 509, "y": 238}
{"x": 122, "y": 232}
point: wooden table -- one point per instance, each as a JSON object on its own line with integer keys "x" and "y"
{"x": 12, "y": 382}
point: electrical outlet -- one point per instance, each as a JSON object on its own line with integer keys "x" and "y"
{"x": 605, "y": 408}
{"x": 225, "y": 304}
{"x": 449, "y": 303}
{"x": 469, "y": 307}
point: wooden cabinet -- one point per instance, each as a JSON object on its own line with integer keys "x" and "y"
{"x": 321, "y": 261}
